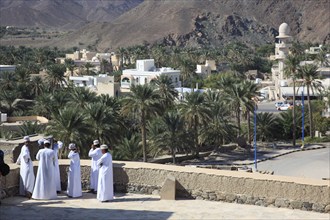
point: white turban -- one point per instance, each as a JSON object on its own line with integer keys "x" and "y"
{"x": 46, "y": 142}
{"x": 96, "y": 142}
{"x": 72, "y": 146}
{"x": 26, "y": 138}
{"x": 60, "y": 144}
{"x": 41, "y": 141}
{"x": 104, "y": 146}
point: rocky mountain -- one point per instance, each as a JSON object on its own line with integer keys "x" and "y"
{"x": 64, "y": 14}
{"x": 177, "y": 22}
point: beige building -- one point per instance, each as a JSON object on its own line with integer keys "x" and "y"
{"x": 207, "y": 68}
{"x": 101, "y": 84}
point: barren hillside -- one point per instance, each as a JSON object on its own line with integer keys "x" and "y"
{"x": 196, "y": 22}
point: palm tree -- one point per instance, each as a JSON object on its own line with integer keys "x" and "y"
{"x": 88, "y": 66}
{"x": 286, "y": 127}
{"x": 104, "y": 65}
{"x": 8, "y": 102}
{"x": 7, "y": 81}
{"x": 166, "y": 90}
{"x": 69, "y": 63}
{"x": 187, "y": 70}
{"x": 129, "y": 148}
{"x": 37, "y": 85}
{"x": 290, "y": 70}
{"x": 69, "y": 125}
{"x": 103, "y": 123}
{"x": 238, "y": 96}
{"x": 55, "y": 75}
{"x": 309, "y": 74}
{"x": 267, "y": 126}
{"x": 219, "y": 129}
{"x": 122, "y": 53}
{"x": 196, "y": 113}
{"x": 29, "y": 128}
{"x": 172, "y": 135}
{"x": 81, "y": 97}
{"x": 144, "y": 102}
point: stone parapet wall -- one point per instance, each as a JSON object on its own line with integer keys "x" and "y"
{"x": 207, "y": 184}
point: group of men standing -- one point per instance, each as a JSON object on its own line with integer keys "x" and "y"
{"x": 47, "y": 183}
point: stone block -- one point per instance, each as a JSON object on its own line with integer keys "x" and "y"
{"x": 282, "y": 203}
{"x": 167, "y": 191}
{"x": 221, "y": 196}
{"x": 307, "y": 206}
{"x": 230, "y": 197}
{"x": 212, "y": 196}
{"x": 327, "y": 209}
{"x": 261, "y": 202}
{"x": 241, "y": 199}
{"x": 296, "y": 204}
{"x": 318, "y": 207}
{"x": 251, "y": 200}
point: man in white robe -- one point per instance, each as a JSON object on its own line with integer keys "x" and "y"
{"x": 27, "y": 177}
{"x": 57, "y": 146}
{"x": 45, "y": 187}
{"x": 105, "y": 182}
{"x": 95, "y": 153}
{"x": 74, "y": 176}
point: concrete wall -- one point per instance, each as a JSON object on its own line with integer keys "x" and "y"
{"x": 41, "y": 119}
{"x": 198, "y": 183}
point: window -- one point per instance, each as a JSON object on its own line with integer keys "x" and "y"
{"x": 145, "y": 80}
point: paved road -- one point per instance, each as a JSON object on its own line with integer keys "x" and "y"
{"x": 267, "y": 107}
{"x": 134, "y": 206}
{"x": 309, "y": 164}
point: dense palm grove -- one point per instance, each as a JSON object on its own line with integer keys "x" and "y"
{"x": 150, "y": 121}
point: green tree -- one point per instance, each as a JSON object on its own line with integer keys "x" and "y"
{"x": 196, "y": 113}
{"x": 290, "y": 70}
{"x": 129, "y": 148}
{"x": 309, "y": 74}
{"x": 172, "y": 133}
{"x": 166, "y": 90}
{"x": 70, "y": 125}
{"x": 81, "y": 97}
{"x": 37, "y": 85}
{"x": 267, "y": 126}
{"x": 55, "y": 76}
{"x": 143, "y": 102}
{"x": 29, "y": 128}
{"x": 88, "y": 66}
{"x": 103, "y": 123}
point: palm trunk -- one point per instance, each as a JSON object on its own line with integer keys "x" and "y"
{"x": 173, "y": 154}
{"x": 144, "y": 136}
{"x": 196, "y": 137}
{"x": 294, "y": 115}
{"x": 249, "y": 127}
{"x": 238, "y": 118}
{"x": 310, "y": 114}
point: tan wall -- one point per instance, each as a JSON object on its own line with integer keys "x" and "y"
{"x": 219, "y": 185}
{"x": 28, "y": 118}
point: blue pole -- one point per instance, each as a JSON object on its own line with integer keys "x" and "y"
{"x": 255, "y": 136}
{"x": 303, "y": 118}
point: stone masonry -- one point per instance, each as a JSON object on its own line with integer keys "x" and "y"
{"x": 205, "y": 184}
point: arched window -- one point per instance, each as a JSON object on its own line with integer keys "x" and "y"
{"x": 125, "y": 80}
{"x": 145, "y": 80}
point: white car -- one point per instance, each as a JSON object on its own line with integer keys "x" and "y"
{"x": 284, "y": 107}
{"x": 278, "y": 104}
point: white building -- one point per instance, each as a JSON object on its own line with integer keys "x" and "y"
{"x": 145, "y": 72}
{"x": 281, "y": 52}
{"x": 7, "y": 68}
{"x": 207, "y": 68}
{"x": 101, "y": 84}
